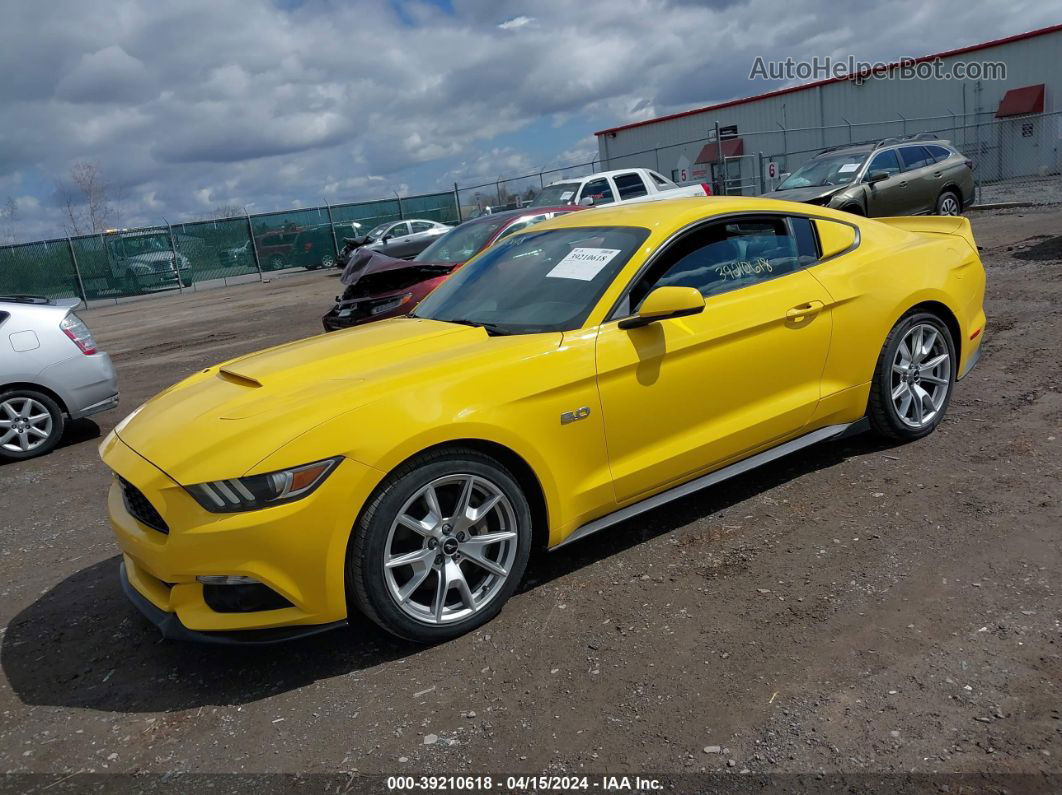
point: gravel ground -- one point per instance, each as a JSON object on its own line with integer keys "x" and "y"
{"x": 1031, "y": 190}
{"x": 855, "y": 608}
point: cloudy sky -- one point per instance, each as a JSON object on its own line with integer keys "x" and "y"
{"x": 187, "y": 105}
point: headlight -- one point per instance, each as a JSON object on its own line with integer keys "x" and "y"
{"x": 262, "y": 491}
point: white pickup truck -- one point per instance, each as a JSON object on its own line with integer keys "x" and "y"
{"x": 615, "y": 187}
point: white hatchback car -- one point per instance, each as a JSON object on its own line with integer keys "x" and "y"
{"x": 50, "y": 371}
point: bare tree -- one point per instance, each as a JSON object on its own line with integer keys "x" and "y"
{"x": 8, "y": 220}
{"x": 86, "y": 198}
{"x": 227, "y": 211}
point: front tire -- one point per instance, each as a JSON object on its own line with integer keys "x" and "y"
{"x": 440, "y": 547}
{"x": 31, "y": 424}
{"x": 913, "y": 379}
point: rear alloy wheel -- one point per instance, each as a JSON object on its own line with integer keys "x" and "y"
{"x": 276, "y": 262}
{"x": 31, "y": 424}
{"x": 914, "y": 378}
{"x": 949, "y": 204}
{"x": 328, "y": 261}
{"x": 441, "y": 547}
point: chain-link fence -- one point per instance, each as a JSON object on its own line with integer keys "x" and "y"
{"x": 1016, "y": 159}
{"x": 201, "y": 254}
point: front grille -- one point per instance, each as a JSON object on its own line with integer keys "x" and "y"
{"x": 140, "y": 509}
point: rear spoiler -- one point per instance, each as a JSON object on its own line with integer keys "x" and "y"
{"x": 934, "y": 225}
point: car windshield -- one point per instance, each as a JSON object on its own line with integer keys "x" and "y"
{"x": 536, "y": 281}
{"x": 552, "y": 195}
{"x": 462, "y": 242}
{"x": 144, "y": 245}
{"x": 826, "y": 170}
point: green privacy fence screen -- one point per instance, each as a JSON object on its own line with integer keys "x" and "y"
{"x": 196, "y": 254}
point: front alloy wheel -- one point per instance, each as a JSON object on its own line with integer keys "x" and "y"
{"x": 441, "y": 546}
{"x": 450, "y": 549}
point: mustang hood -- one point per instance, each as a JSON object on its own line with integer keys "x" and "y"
{"x": 805, "y": 194}
{"x": 222, "y": 421}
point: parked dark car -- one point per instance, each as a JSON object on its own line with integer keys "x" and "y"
{"x": 917, "y": 175}
{"x": 378, "y": 286}
{"x": 294, "y": 247}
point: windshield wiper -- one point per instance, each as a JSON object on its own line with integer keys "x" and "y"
{"x": 491, "y": 328}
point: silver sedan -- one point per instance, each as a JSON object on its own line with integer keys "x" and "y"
{"x": 50, "y": 371}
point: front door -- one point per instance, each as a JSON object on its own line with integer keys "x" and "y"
{"x": 686, "y": 395}
{"x": 890, "y": 196}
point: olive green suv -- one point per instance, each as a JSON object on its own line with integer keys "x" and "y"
{"x": 898, "y": 176}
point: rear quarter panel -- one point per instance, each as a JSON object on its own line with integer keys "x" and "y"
{"x": 891, "y": 271}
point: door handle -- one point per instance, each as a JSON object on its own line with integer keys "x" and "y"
{"x": 937, "y": 174}
{"x": 903, "y": 184}
{"x": 809, "y": 309}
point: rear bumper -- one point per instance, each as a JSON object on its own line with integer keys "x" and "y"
{"x": 87, "y": 384}
{"x": 972, "y": 359}
{"x": 171, "y": 627}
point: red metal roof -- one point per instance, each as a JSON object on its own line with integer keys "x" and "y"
{"x": 805, "y": 86}
{"x": 1018, "y": 101}
{"x": 732, "y": 147}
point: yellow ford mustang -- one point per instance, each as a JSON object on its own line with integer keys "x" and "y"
{"x": 573, "y": 376}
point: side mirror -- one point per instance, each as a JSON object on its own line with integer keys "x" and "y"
{"x": 666, "y": 302}
{"x": 877, "y": 176}
{"x": 586, "y": 201}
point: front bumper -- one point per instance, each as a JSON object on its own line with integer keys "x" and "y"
{"x": 172, "y": 629}
{"x": 297, "y": 549}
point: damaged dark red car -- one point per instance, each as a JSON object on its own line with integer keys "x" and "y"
{"x": 377, "y": 287}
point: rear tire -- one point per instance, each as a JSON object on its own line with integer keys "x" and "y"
{"x": 460, "y": 567}
{"x": 949, "y": 203}
{"x": 29, "y": 419}
{"x": 913, "y": 379}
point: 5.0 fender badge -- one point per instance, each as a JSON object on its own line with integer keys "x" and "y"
{"x": 572, "y": 416}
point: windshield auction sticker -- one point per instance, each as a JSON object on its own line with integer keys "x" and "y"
{"x": 583, "y": 263}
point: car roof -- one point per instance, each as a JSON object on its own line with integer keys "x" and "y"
{"x": 37, "y": 303}
{"x": 665, "y": 216}
{"x": 512, "y": 215}
{"x": 872, "y": 146}
{"x": 598, "y": 174}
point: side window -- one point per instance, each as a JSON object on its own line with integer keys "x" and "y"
{"x": 660, "y": 181}
{"x": 421, "y": 226}
{"x": 724, "y": 256}
{"x": 398, "y": 230}
{"x": 629, "y": 186}
{"x": 885, "y": 161}
{"x": 807, "y": 244}
{"x": 938, "y": 153}
{"x": 600, "y": 190}
{"x": 914, "y": 157}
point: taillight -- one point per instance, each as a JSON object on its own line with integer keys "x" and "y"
{"x": 307, "y": 246}
{"x": 707, "y": 188}
{"x": 75, "y": 328}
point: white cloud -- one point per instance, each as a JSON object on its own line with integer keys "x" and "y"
{"x": 516, "y": 22}
{"x": 190, "y": 103}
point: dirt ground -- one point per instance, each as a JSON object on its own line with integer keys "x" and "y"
{"x": 854, "y": 608}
